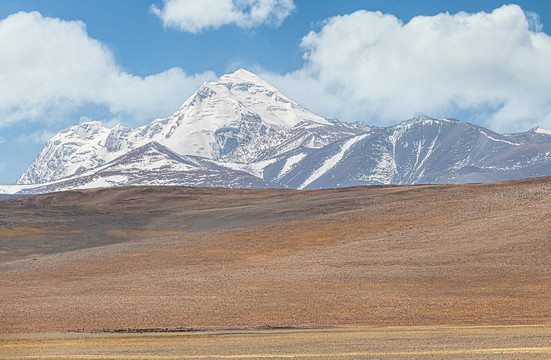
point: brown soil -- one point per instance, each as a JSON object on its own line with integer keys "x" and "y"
{"x": 172, "y": 257}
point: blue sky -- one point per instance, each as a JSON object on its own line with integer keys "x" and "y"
{"x": 131, "y": 61}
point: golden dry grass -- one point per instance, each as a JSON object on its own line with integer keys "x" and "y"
{"x": 341, "y": 343}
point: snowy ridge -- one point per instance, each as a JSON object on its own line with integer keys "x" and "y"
{"x": 151, "y": 164}
{"x": 420, "y": 151}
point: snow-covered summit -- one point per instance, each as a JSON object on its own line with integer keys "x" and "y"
{"x": 217, "y": 119}
{"x": 244, "y": 93}
{"x": 225, "y": 114}
{"x": 242, "y": 76}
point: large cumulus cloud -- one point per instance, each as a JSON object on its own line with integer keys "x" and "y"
{"x": 49, "y": 66}
{"x": 195, "y": 16}
{"x": 372, "y": 66}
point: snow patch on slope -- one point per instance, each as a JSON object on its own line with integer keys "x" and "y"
{"x": 290, "y": 163}
{"x": 542, "y": 131}
{"x": 499, "y": 140}
{"x": 332, "y": 161}
{"x": 429, "y": 151}
{"x": 385, "y": 169}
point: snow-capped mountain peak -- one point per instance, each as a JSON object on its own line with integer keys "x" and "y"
{"x": 217, "y": 119}
{"x": 245, "y": 93}
{"x": 241, "y": 124}
{"x": 227, "y": 113}
{"x": 78, "y": 148}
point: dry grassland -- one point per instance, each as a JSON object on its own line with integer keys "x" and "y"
{"x": 483, "y": 343}
{"x": 184, "y": 258}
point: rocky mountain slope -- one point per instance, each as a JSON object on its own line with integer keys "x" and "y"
{"x": 421, "y": 150}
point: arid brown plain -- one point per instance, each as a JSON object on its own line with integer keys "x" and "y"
{"x": 192, "y": 258}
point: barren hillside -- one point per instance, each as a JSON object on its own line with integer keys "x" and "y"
{"x": 176, "y": 257}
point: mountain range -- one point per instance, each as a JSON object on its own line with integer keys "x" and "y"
{"x": 241, "y": 132}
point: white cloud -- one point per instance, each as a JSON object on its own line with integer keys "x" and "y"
{"x": 371, "y": 66}
{"x": 194, "y": 16}
{"x": 37, "y": 137}
{"x": 534, "y": 21}
{"x": 49, "y": 66}
{"x": 363, "y": 66}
